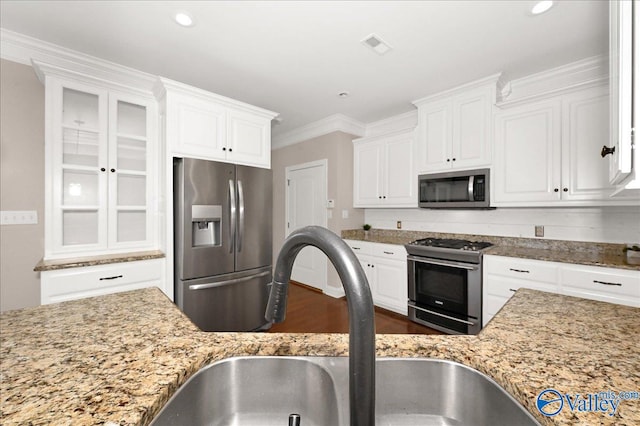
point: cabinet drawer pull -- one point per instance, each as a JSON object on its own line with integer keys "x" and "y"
{"x": 111, "y": 278}
{"x": 355, "y": 248}
{"x": 524, "y": 271}
{"x": 513, "y": 290}
{"x": 606, "y": 283}
{"x": 387, "y": 252}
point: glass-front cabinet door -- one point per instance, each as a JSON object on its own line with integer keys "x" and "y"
{"x": 129, "y": 161}
{"x": 80, "y": 162}
{"x": 102, "y": 162}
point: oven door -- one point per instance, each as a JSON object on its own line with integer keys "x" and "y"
{"x": 446, "y": 293}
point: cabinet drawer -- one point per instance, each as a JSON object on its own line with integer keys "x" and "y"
{"x": 78, "y": 283}
{"x": 505, "y": 287}
{"x": 594, "y": 280}
{"x": 389, "y": 251}
{"x": 360, "y": 247}
{"x": 542, "y": 272}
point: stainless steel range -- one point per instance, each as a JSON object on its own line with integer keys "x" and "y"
{"x": 445, "y": 284}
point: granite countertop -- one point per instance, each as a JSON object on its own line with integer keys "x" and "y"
{"x": 117, "y": 359}
{"x": 575, "y": 252}
{"x": 78, "y": 262}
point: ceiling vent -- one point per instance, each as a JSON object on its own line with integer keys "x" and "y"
{"x": 377, "y": 44}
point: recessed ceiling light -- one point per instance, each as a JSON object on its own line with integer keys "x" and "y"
{"x": 184, "y": 19}
{"x": 541, "y": 7}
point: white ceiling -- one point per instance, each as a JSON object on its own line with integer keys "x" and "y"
{"x": 294, "y": 57}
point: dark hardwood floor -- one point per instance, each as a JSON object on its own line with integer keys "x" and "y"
{"x": 311, "y": 311}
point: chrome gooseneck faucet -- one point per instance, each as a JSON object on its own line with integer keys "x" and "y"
{"x": 359, "y": 302}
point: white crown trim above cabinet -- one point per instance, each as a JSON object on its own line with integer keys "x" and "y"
{"x": 383, "y": 170}
{"x": 200, "y": 124}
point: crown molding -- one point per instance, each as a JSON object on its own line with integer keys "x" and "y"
{"x": 395, "y": 123}
{"x": 333, "y": 123}
{"x": 573, "y": 76}
{"x": 23, "y": 49}
{"x": 164, "y": 85}
{"x": 492, "y": 79}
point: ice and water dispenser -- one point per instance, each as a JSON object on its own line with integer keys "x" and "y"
{"x": 206, "y": 221}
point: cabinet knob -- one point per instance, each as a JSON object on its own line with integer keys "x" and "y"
{"x": 113, "y": 170}
{"x": 448, "y": 160}
{"x": 555, "y": 190}
{"x": 224, "y": 148}
{"x": 384, "y": 196}
{"x": 565, "y": 189}
{"x": 230, "y": 149}
{"x": 380, "y": 197}
{"x": 102, "y": 169}
{"x": 453, "y": 159}
{"x": 606, "y": 150}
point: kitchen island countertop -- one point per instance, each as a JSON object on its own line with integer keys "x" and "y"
{"x": 117, "y": 359}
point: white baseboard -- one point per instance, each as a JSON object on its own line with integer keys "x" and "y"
{"x": 334, "y": 292}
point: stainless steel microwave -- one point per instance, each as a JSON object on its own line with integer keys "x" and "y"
{"x": 466, "y": 189}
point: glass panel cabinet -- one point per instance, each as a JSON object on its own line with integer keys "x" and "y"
{"x": 101, "y": 159}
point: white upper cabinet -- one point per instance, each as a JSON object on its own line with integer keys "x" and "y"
{"x": 454, "y": 127}
{"x": 585, "y": 126}
{"x": 100, "y": 168}
{"x": 383, "y": 171}
{"x": 249, "y": 139}
{"x": 527, "y": 154}
{"x": 548, "y": 152}
{"x": 201, "y": 124}
{"x": 621, "y": 81}
{"x": 197, "y": 127}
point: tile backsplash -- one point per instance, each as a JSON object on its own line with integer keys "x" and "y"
{"x": 598, "y": 224}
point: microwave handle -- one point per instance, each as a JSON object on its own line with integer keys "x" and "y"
{"x": 472, "y": 179}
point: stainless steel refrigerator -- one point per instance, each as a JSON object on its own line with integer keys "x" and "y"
{"x": 222, "y": 240}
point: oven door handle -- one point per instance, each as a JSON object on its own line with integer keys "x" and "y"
{"x": 413, "y": 305}
{"x": 443, "y": 263}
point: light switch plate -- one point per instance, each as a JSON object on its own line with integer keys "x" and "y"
{"x": 14, "y": 217}
{"x": 539, "y": 231}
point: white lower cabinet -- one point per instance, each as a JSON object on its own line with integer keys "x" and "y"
{"x": 77, "y": 283}
{"x": 502, "y": 276}
{"x": 386, "y": 268}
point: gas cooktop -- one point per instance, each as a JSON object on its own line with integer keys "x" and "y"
{"x": 448, "y": 249}
{"x": 452, "y": 244}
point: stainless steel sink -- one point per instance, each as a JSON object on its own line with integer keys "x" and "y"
{"x": 409, "y": 391}
{"x": 255, "y": 391}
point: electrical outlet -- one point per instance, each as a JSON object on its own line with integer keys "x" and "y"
{"x": 13, "y": 217}
{"x": 345, "y": 214}
{"x": 539, "y": 231}
{"x": 399, "y": 224}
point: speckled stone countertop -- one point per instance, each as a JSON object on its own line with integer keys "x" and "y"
{"x": 576, "y": 252}
{"x": 77, "y": 262}
{"x": 117, "y": 359}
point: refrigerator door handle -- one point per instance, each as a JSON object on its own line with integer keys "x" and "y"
{"x": 240, "y": 215}
{"x": 227, "y": 282}
{"x": 232, "y": 215}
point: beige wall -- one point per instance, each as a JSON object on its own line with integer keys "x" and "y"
{"x": 21, "y": 183}
{"x": 337, "y": 149}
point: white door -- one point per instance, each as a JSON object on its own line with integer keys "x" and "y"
{"x": 306, "y": 196}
